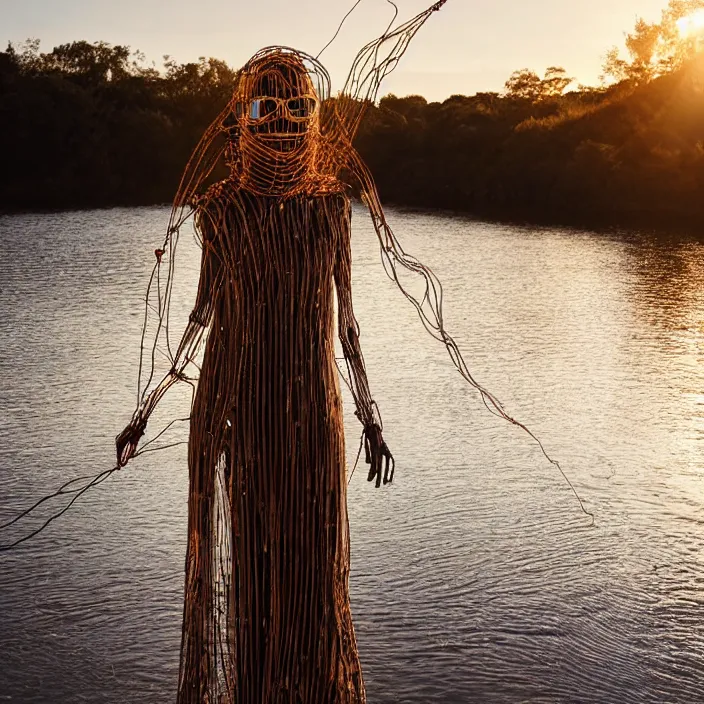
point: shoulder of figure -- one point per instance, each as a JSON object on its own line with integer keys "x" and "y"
{"x": 208, "y": 210}
{"x": 217, "y": 195}
{"x": 220, "y": 203}
{"x": 326, "y": 185}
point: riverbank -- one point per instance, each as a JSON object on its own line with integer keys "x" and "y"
{"x": 656, "y": 223}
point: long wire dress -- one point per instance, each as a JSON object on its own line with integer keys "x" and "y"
{"x": 267, "y": 457}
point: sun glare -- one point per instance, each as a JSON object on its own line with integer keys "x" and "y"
{"x": 691, "y": 25}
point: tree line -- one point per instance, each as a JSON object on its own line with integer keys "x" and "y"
{"x": 629, "y": 151}
{"x": 90, "y": 124}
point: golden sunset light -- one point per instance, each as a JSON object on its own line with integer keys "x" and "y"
{"x": 692, "y": 24}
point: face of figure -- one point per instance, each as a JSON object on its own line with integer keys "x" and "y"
{"x": 278, "y": 106}
{"x": 276, "y": 112}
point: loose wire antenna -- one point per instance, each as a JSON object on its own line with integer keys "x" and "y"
{"x": 344, "y": 19}
{"x": 339, "y": 28}
{"x": 64, "y": 490}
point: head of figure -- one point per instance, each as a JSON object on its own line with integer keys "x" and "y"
{"x": 276, "y": 109}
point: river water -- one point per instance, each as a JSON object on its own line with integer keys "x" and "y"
{"x": 475, "y": 576}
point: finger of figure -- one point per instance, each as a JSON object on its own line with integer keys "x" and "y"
{"x": 127, "y": 451}
{"x": 373, "y": 468}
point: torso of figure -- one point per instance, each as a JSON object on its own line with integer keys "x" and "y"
{"x": 278, "y": 253}
{"x": 277, "y": 258}
{"x": 272, "y": 335}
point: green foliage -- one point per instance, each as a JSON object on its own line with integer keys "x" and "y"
{"x": 527, "y": 85}
{"x": 633, "y": 156}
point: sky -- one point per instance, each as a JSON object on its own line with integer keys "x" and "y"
{"x": 467, "y": 47}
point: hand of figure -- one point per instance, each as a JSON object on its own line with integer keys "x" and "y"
{"x": 377, "y": 455}
{"x": 127, "y": 441}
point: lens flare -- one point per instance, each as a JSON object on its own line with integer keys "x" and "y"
{"x": 692, "y": 24}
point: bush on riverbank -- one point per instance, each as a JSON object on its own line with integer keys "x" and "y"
{"x": 89, "y": 125}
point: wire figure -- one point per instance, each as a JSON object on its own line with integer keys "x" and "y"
{"x": 266, "y": 607}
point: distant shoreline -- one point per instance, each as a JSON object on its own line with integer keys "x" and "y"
{"x": 655, "y": 223}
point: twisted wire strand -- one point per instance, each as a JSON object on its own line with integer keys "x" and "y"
{"x": 61, "y": 491}
{"x": 429, "y": 309}
{"x": 339, "y": 29}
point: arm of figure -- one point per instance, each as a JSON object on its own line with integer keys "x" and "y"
{"x": 377, "y": 453}
{"x": 128, "y": 440}
{"x": 373, "y": 63}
